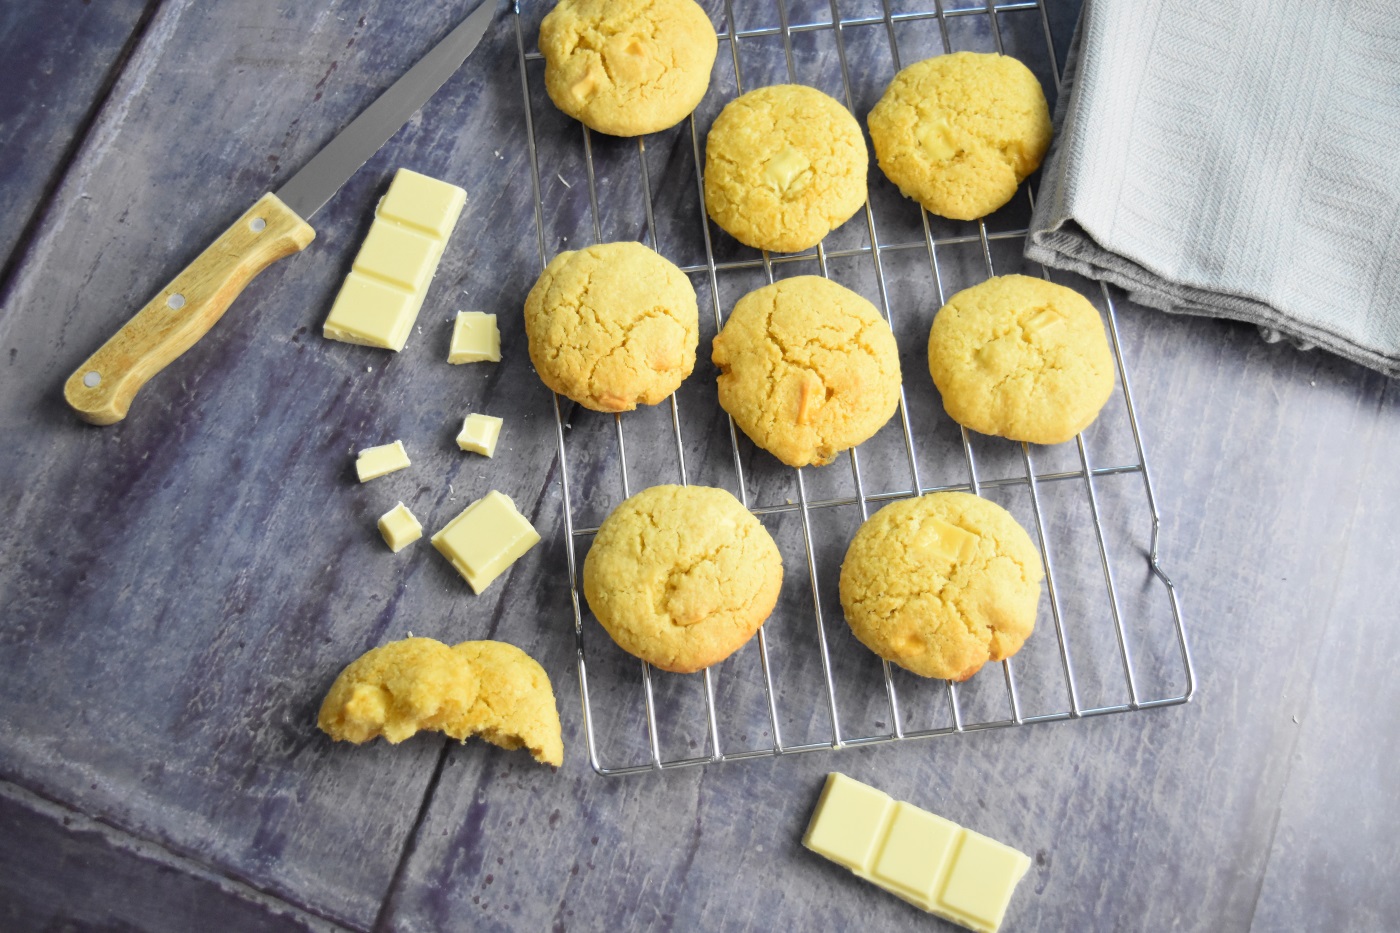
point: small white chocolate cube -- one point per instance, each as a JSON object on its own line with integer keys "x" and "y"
{"x": 479, "y": 434}
{"x": 485, "y": 539}
{"x": 375, "y": 462}
{"x": 475, "y": 338}
{"x": 399, "y": 527}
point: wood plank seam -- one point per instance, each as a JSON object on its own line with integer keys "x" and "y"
{"x": 124, "y": 839}
{"x": 81, "y": 135}
{"x": 386, "y": 906}
{"x": 1329, "y": 615}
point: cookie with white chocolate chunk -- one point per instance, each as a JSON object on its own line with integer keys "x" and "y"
{"x": 941, "y": 584}
{"x": 489, "y": 689}
{"x": 1021, "y": 358}
{"x": 807, "y": 368}
{"x": 612, "y": 326}
{"x": 682, "y": 576}
{"x": 627, "y": 67}
{"x": 398, "y": 690}
{"x": 784, "y": 166}
{"x": 958, "y": 133}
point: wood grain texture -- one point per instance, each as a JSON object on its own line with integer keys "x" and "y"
{"x": 126, "y": 883}
{"x": 55, "y": 62}
{"x": 180, "y": 589}
{"x": 102, "y": 388}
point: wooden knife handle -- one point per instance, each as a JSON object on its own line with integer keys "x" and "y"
{"x": 101, "y": 390}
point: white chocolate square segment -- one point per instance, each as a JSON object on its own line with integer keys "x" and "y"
{"x": 375, "y": 462}
{"x": 480, "y": 433}
{"x": 485, "y": 539}
{"x": 475, "y": 338}
{"x": 915, "y": 853}
{"x": 398, "y": 256}
{"x": 370, "y": 313}
{"x": 983, "y": 875}
{"x": 849, "y": 822}
{"x": 420, "y": 201}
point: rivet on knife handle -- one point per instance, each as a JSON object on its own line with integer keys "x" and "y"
{"x": 101, "y": 390}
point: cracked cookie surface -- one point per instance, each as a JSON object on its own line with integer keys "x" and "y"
{"x": 941, "y": 584}
{"x": 784, "y": 166}
{"x": 515, "y": 707}
{"x": 1021, "y": 358}
{"x": 682, "y": 576}
{"x": 612, "y": 326}
{"x": 807, "y": 369}
{"x": 958, "y": 133}
{"x": 627, "y": 67}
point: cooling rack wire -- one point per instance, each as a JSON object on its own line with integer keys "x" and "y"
{"x": 1120, "y": 662}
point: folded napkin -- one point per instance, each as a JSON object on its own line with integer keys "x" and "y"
{"x": 1236, "y": 160}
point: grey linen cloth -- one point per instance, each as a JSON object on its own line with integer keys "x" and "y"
{"x": 1237, "y": 160}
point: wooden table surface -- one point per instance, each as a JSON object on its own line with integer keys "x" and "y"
{"x": 177, "y": 591}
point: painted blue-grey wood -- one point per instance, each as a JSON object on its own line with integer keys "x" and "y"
{"x": 176, "y": 594}
{"x": 55, "y": 60}
{"x": 66, "y": 872}
{"x": 179, "y": 590}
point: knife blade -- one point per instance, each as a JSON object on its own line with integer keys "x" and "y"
{"x": 102, "y": 388}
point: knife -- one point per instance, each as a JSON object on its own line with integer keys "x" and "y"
{"x": 101, "y": 390}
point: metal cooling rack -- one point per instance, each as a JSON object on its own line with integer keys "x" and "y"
{"x": 718, "y": 742}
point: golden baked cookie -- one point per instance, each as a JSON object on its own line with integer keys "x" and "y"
{"x": 486, "y": 688}
{"x": 784, "y": 166}
{"x": 958, "y": 133}
{"x": 941, "y": 584}
{"x": 612, "y": 326}
{"x": 396, "y": 690}
{"x": 1021, "y": 358}
{"x": 515, "y": 707}
{"x": 807, "y": 368}
{"x": 627, "y": 67}
{"x": 682, "y": 576}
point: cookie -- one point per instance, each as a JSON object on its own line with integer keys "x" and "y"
{"x": 941, "y": 584}
{"x": 397, "y": 690}
{"x": 958, "y": 133}
{"x": 486, "y": 688}
{"x": 627, "y": 67}
{"x": 515, "y": 706}
{"x": 1021, "y": 358}
{"x": 612, "y": 326}
{"x": 807, "y": 368}
{"x": 784, "y": 166}
{"x": 682, "y": 576}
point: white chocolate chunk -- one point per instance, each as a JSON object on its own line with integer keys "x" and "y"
{"x": 784, "y": 169}
{"x": 399, "y": 527}
{"x": 1042, "y": 321}
{"x": 475, "y": 338}
{"x": 485, "y": 539}
{"x": 936, "y": 138}
{"x": 375, "y": 462}
{"x": 941, "y": 542}
{"x": 479, "y": 434}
